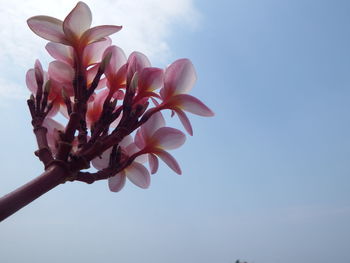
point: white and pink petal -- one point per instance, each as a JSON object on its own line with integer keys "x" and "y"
{"x": 138, "y": 175}
{"x": 169, "y": 160}
{"x": 169, "y": 138}
{"x": 180, "y": 78}
{"x": 78, "y": 21}
{"x": 153, "y": 163}
{"x": 185, "y": 121}
{"x": 61, "y": 52}
{"x": 49, "y": 28}
{"x": 117, "y": 182}
{"x": 192, "y": 104}
{"x": 61, "y": 72}
{"x": 97, "y": 33}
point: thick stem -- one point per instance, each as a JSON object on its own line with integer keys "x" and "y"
{"x": 22, "y": 196}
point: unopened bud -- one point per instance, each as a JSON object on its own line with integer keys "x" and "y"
{"x": 38, "y": 73}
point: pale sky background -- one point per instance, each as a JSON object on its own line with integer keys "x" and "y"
{"x": 266, "y": 180}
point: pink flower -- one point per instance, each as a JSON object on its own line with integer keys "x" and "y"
{"x": 179, "y": 79}
{"x": 135, "y": 172}
{"x": 74, "y": 30}
{"x": 154, "y": 139}
{"x": 149, "y": 78}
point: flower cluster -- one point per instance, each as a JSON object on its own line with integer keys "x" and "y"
{"x": 112, "y": 102}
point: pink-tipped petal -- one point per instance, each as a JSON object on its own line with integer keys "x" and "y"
{"x": 96, "y": 33}
{"x": 117, "y": 182}
{"x": 55, "y": 108}
{"x": 52, "y": 127}
{"x": 153, "y": 163}
{"x": 31, "y": 81}
{"x": 78, "y": 21}
{"x": 185, "y": 121}
{"x": 150, "y": 79}
{"x": 47, "y": 27}
{"x": 154, "y": 123}
{"x": 118, "y": 59}
{"x": 102, "y": 161}
{"x": 139, "y": 140}
{"x": 61, "y": 52}
{"x": 169, "y": 138}
{"x": 180, "y": 77}
{"x": 191, "y": 104}
{"x": 136, "y": 63}
{"x": 169, "y": 160}
{"x": 61, "y": 72}
{"x": 138, "y": 175}
{"x": 93, "y": 52}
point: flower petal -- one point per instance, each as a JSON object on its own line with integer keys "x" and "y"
{"x": 55, "y": 108}
{"x": 61, "y": 72}
{"x": 154, "y": 123}
{"x": 185, "y": 121}
{"x": 118, "y": 59}
{"x": 191, "y": 104}
{"x": 96, "y": 33}
{"x": 136, "y": 63}
{"x": 93, "y": 52}
{"x": 180, "y": 77}
{"x": 150, "y": 79}
{"x": 139, "y": 140}
{"x": 52, "y": 127}
{"x": 138, "y": 175}
{"x": 169, "y": 138}
{"x": 48, "y": 27}
{"x": 61, "y": 52}
{"x": 102, "y": 161}
{"x": 153, "y": 163}
{"x": 78, "y": 21}
{"x": 31, "y": 81}
{"x": 117, "y": 182}
{"x": 169, "y": 160}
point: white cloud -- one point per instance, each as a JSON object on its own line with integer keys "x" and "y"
{"x": 147, "y": 24}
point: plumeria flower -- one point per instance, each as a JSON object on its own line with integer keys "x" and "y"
{"x": 149, "y": 78}
{"x": 136, "y": 172}
{"x": 74, "y": 30}
{"x": 179, "y": 79}
{"x": 154, "y": 139}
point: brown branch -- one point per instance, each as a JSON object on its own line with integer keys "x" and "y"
{"x": 12, "y": 202}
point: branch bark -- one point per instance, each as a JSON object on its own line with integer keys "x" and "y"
{"x": 22, "y": 196}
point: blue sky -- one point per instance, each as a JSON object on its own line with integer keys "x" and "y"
{"x": 266, "y": 180}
